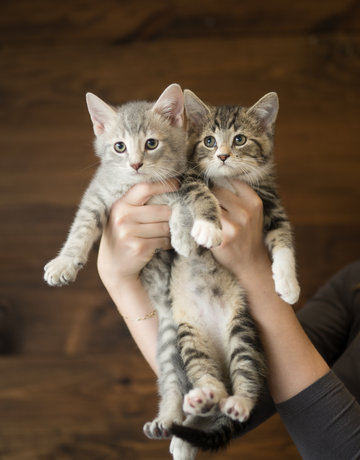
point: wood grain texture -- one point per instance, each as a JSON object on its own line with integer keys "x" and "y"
{"x": 73, "y": 385}
{"x": 121, "y": 22}
{"x": 94, "y": 407}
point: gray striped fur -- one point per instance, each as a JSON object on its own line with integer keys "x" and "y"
{"x": 133, "y": 124}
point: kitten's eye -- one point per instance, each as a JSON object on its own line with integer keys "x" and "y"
{"x": 239, "y": 139}
{"x": 151, "y": 144}
{"x": 210, "y": 141}
{"x": 120, "y": 147}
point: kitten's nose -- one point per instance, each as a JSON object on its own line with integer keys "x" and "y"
{"x": 136, "y": 166}
{"x": 223, "y": 157}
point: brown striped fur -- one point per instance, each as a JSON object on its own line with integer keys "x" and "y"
{"x": 217, "y": 338}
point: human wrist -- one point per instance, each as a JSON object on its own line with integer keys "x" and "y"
{"x": 256, "y": 272}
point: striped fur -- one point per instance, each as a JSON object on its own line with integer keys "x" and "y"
{"x": 131, "y": 124}
{"x": 217, "y": 339}
{"x": 121, "y": 144}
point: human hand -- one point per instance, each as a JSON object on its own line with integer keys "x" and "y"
{"x": 133, "y": 233}
{"x": 243, "y": 250}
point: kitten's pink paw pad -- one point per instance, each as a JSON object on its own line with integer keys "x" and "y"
{"x": 236, "y": 407}
{"x": 206, "y": 233}
{"x": 200, "y": 401}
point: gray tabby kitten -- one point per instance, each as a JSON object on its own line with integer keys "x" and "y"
{"x": 141, "y": 142}
{"x": 217, "y": 338}
{"x": 136, "y": 142}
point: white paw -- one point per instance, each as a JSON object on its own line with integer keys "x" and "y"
{"x": 200, "y": 401}
{"x": 206, "y": 233}
{"x": 236, "y": 407}
{"x": 181, "y": 450}
{"x": 61, "y": 270}
{"x": 284, "y": 276}
{"x": 157, "y": 429}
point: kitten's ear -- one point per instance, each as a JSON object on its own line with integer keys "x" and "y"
{"x": 101, "y": 114}
{"x": 171, "y": 105}
{"x": 195, "y": 108}
{"x": 266, "y": 110}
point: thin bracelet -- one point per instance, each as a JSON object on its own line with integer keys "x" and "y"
{"x": 142, "y": 318}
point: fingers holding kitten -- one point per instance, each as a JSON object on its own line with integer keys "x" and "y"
{"x": 140, "y": 194}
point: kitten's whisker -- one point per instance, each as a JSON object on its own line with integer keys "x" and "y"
{"x": 90, "y": 166}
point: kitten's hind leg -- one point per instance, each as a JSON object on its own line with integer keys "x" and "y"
{"x": 247, "y": 367}
{"x": 203, "y": 372}
{"x": 169, "y": 381}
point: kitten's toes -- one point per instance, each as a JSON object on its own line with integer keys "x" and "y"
{"x": 181, "y": 450}
{"x": 206, "y": 233}
{"x": 236, "y": 407}
{"x": 157, "y": 429}
{"x": 201, "y": 401}
{"x": 287, "y": 286}
{"x": 61, "y": 271}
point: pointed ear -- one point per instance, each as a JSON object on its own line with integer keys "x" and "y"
{"x": 266, "y": 110}
{"x": 101, "y": 114}
{"x": 195, "y": 108}
{"x": 171, "y": 105}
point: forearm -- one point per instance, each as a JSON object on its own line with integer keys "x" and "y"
{"x": 135, "y": 307}
{"x": 293, "y": 362}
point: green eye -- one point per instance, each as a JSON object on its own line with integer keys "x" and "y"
{"x": 119, "y": 147}
{"x": 210, "y": 141}
{"x": 239, "y": 139}
{"x": 151, "y": 144}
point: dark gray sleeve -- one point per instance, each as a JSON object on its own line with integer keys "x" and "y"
{"x": 331, "y": 319}
{"x": 324, "y": 421}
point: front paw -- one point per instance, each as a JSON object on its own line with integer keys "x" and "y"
{"x": 62, "y": 270}
{"x": 206, "y": 233}
{"x": 284, "y": 275}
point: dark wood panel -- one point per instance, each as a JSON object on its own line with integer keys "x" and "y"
{"x": 94, "y": 408}
{"x": 73, "y": 384}
{"x": 316, "y": 147}
{"x": 122, "y": 22}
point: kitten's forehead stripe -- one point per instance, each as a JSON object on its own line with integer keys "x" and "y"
{"x": 226, "y": 117}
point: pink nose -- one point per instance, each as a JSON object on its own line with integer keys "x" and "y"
{"x": 223, "y": 157}
{"x": 136, "y": 166}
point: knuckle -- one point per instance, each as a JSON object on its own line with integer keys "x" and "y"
{"x": 144, "y": 189}
{"x": 117, "y": 211}
{"x": 165, "y": 228}
{"x": 257, "y": 204}
{"x": 137, "y": 247}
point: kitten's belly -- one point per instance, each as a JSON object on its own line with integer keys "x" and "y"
{"x": 202, "y": 294}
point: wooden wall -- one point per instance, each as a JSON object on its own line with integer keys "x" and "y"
{"x": 73, "y": 385}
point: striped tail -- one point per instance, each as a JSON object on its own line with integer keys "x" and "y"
{"x": 216, "y": 435}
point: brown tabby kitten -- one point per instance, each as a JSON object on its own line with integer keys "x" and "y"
{"x": 217, "y": 338}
